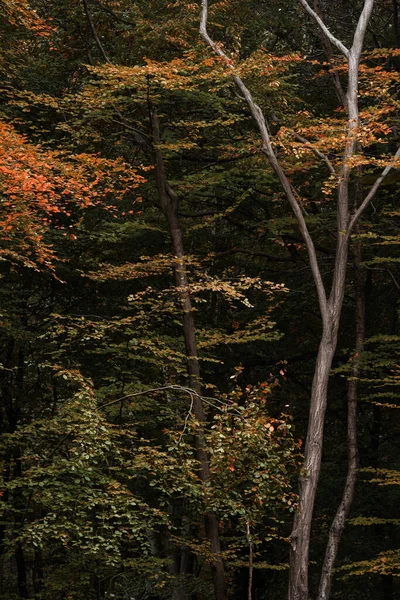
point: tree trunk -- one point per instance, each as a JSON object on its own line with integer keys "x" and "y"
{"x": 251, "y": 565}
{"x": 300, "y": 537}
{"x": 330, "y": 307}
{"x": 38, "y": 575}
{"x": 337, "y": 527}
{"x": 309, "y": 477}
{"x": 21, "y": 571}
{"x": 193, "y": 368}
{"x": 169, "y": 206}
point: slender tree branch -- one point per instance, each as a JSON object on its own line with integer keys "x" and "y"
{"x": 396, "y": 283}
{"x": 186, "y": 420}
{"x": 256, "y": 253}
{"x": 370, "y": 196}
{"x": 268, "y": 150}
{"x": 127, "y": 126}
{"x": 251, "y": 559}
{"x": 339, "y": 45}
{"x": 94, "y": 32}
{"x": 114, "y": 14}
{"x": 320, "y": 155}
{"x": 334, "y": 75}
{"x": 178, "y": 388}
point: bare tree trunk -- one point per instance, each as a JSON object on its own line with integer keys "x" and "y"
{"x": 21, "y": 571}
{"x": 38, "y": 575}
{"x": 337, "y": 527}
{"x": 330, "y": 304}
{"x": 300, "y": 536}
{"x": 169, "y": 206}
{"x": 251, "y": 566}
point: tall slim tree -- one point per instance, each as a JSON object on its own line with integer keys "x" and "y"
{"x": 330, "y": 298}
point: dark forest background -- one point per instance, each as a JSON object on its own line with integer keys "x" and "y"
{"x": 100, "y": 410}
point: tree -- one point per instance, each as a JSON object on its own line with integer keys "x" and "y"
{"x": 330, "y": 302}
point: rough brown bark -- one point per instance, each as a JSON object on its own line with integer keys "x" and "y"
{"x": 94, "y": 32}
{"x": 21, "y": 572}
{"x": 251, "y": 565}
{"x": 169, "y": 206}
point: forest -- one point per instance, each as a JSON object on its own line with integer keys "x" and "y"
{"x": 199, "y": 300}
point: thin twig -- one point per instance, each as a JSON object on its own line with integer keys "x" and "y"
{"x": 94, "y": 32}
{"x": 186, "y": 420}
{"x": 371, "y": 194}
{"x": 317, "y": 152}
{"x": 127, "y": 126}
{"x": 325, "y": 30}
{"x": 192, "y": 393}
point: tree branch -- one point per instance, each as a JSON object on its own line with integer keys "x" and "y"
{"x": 371, "y": 194}
{"x": 334, "y": 75}
{"x": 358, "y": 40}
{"x": 272, "y": 257}
{"x": 127, "y": 126}
{"x": 325, "y": 30}
{"x": 94, "y": 32}
{"x": 178, "y": 388}
{"x": 114, "y": 14}
{"x": 320, "y": 155}
{"x": 268, "y": 150}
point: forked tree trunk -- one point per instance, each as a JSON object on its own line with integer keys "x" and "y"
{"x": 330, "y": 300}
{"x": 308, "y": 481}
{"x": 309, "y": 477}
{"x": 342, "y": 513}
{"x": 169, "y": 206}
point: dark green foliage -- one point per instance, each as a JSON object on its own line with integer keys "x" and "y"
{"x": 101, "y": 492}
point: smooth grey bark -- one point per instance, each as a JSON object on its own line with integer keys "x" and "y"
{"x": 343, "y": 510}
{"x": 330, "y": 301}
{"x": 342, "y": 513}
